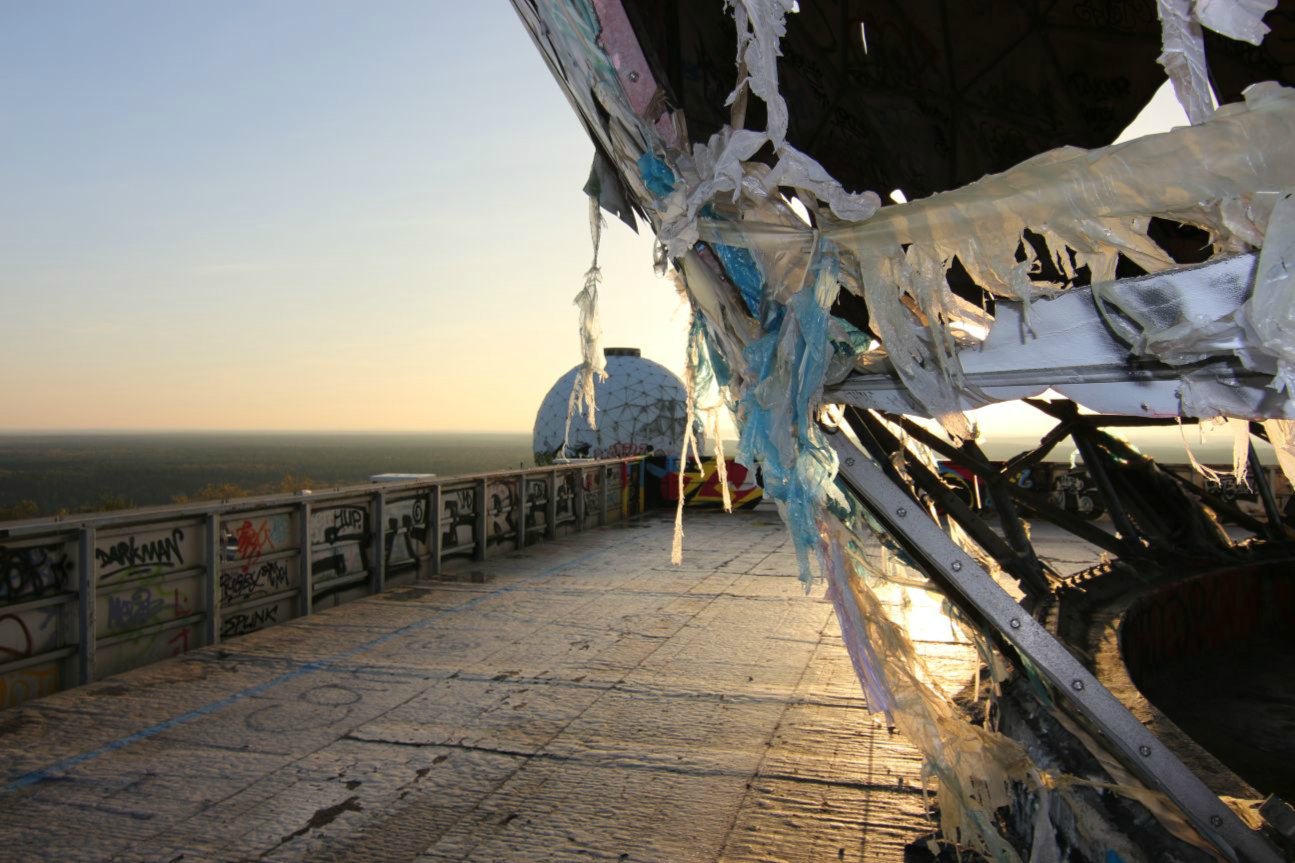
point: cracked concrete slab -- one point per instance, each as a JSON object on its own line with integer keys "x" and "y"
{"x": 584, "y": 701}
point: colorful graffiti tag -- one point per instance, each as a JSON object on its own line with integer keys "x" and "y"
{"x": 405, "y": 535}
{"x": 339, "y": 540}
{"x": 701, "y": 483}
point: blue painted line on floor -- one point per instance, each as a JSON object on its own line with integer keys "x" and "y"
{"x": 50, "y": 771}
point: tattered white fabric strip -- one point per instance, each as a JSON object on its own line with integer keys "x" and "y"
{"x": 720, "y": 165}
{"x": 1184, "y": 57}
{"x": 592, "y": 362}
{"x": 1184, "y": 43}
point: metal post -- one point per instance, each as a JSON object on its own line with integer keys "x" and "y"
{"x": 1273, "y": 514}
{"x": 1037, "y": 503}
{"x": 602, "y": 495}
{"x": 551, "y": 505}
{"x": 1093, "y": 461}
{"x": 1013, "y": 529}
{"x": 434, "y": 532}
{"x": 874, "y": 435}
{"x": 305, "y": 563}
{"x": 622, "y": 491}
{"x": 520, "y": 511}
{"x": 85, "y": 605}
{"x": 378, "y": 528}
{"x": 578, "y": 497}
{"x": 479, "y": 530}
{"x": 211, "y": 583}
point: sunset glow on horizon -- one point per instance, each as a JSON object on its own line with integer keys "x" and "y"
{"x": 301, "y": 216}
{"x": 297, "y": 215}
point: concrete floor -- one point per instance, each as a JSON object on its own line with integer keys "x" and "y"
{"x": 586, "y": 701}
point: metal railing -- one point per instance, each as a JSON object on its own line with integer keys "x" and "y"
{"x": 86, "y": 597}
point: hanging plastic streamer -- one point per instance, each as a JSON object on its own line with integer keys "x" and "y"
{"x": 1184, "y": 57}
{"x": 854, "y": 633}
{"x": 720, "y": 164}
{"x": 689, "y": 443}
{"x": 1240, "y": 453}
{"x": 699, "y": 379}
{"x": 976, "y": 767}
{"x": 703, "y": 381}
{"x": 777, "y": 411}
{"x": 593, "y": 363}
{"x": 1281, "y": 434}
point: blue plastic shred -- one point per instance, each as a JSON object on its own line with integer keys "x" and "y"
{"x": 656, "y": 175}
{"x": 744, "y": 272}
{"x": 789, "y": 363}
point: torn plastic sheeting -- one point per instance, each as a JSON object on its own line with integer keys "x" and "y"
{"x": 761, "y": 24}
{"x": 718, "y": 364}
{"x": 1281, "y": 434}
{"x": 1270, "y": 313}
{"x": 976, "y": 767}
{"x": 722, "y": 165}
{"x": 1219, "y": 176}
{"x": 709, "y": 377}
{"x": 1184, "y": 43}
{"x": 731, "y": 329}
{"x": 848, "y": 343}
{"x": 605, "y": 185}
{"x": 1240, "y": 453}
{"x": 656, "y": 175}
{"x": 1236, "y": 19}
{"x": 1184, "y": 57}
{"x": 1094, "y": 198}
{"x": 778, "y": 431}
{"x": 867, "y": 666}
{"x": 698, "y": 380}
{"x": 742, "y": 269}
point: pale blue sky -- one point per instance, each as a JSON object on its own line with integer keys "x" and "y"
{"x": 299, "y": 214}
{"x": 295, "y": 214}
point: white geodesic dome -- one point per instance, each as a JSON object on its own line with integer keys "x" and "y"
{"x": 642, "y": 409}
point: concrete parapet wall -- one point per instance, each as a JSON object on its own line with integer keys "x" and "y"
{"x": 90, "y": 597}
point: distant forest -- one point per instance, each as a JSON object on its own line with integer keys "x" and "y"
{"x": 52, "y": 474}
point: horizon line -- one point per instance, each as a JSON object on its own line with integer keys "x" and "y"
{"x": 117, "y": 430}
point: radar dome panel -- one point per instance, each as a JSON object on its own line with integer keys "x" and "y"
{"x": 641, "y": 409}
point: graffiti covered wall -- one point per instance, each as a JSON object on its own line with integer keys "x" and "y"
{"x": 148, "y": 581}
{"x": 260, "y": 572}
{"x": 701, "y": 483}
{"x": 170, "y": 581}
{"x": 37, "y": 592}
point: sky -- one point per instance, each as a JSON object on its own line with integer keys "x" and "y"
{"x": 305, "y": 214}
{"x": 296, "y": 215}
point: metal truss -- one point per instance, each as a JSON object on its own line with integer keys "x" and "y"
{"x": 1025, "y": 640}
